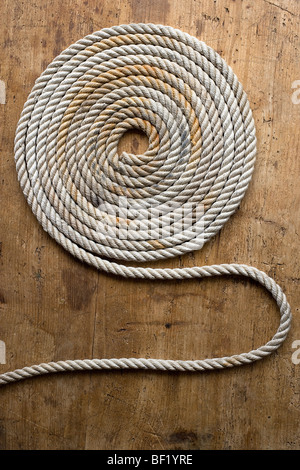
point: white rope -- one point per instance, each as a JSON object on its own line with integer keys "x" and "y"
{"x": 201, "y": 154}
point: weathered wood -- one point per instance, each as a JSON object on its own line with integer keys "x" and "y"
{"x": 54, "y": 307}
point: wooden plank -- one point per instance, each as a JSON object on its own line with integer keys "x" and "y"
{"x": 53, "y": 307}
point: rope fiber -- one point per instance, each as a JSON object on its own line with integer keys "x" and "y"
{"x": 97, "y": 204}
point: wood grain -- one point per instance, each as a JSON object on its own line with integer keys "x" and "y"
{"x": 53, "y": 307}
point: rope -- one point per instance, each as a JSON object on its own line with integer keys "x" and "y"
{"x": 104, "y": 207}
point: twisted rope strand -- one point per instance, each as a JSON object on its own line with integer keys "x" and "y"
{"x": 178, "y": 365}
{"x": 201, "y": 153}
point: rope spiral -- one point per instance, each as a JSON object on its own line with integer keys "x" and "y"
{"x": 97, "y": 203}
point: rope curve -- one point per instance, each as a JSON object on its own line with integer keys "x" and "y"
{"x": 104, "y": 207}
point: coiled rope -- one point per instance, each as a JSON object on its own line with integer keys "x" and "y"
{"x": 201, "y": 153}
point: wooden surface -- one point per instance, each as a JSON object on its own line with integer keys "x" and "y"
{"x": 53, "y": 307}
